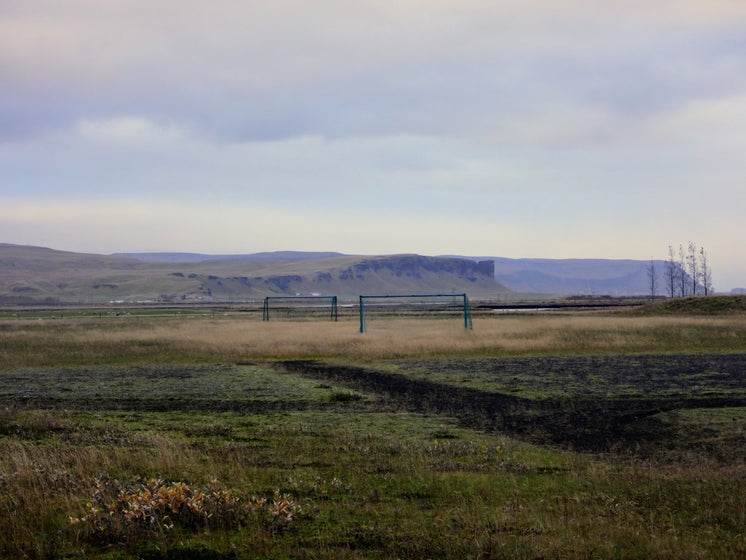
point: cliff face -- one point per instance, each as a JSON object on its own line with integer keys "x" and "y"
{"x": 416, "y": 266}
{"x": 414, "y": 274}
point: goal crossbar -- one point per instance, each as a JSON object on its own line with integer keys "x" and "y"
{"x": 331, "y": 299}
{"x": 466, "y": 307}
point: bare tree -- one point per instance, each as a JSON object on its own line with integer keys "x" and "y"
{"x": 693, "y": 266}
{"x": 682, "y": 274}
{"x": 652, "y": 281}
{"x": 690, "y": 274}
{"x": 705, "y": 272}
{"x": 671, "y": 273}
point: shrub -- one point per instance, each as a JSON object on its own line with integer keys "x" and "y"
{"x": 118, "y": 512}
{"x": 345, "y": 396}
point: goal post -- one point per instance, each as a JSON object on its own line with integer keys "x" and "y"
{"x": 461, "y": 300}
{"x": 305, "y": 301}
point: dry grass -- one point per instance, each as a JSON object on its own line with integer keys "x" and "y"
{"x": 231, "y": 338}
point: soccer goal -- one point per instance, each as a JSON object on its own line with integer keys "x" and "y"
{"x": 297, "y": 307}
{"x": 434, "y": 305}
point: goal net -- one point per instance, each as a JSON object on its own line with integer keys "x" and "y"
{"x": 415, "y": 305}
{"x": 300, "y": 307}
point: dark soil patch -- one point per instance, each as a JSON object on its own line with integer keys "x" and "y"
{"x": 592, "y": 377}
{"x": 193, "y": 405}
{"x": 597, "y": 423}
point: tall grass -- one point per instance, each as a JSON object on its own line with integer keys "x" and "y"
{"x": 200, "y": 339}
{"x": 206, "y": 339}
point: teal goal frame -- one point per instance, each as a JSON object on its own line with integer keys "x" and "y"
{"x": 332, "y": 303}
{"x": 466, "y": 306}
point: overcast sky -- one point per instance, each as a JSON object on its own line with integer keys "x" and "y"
{"x": 553, "y": 128}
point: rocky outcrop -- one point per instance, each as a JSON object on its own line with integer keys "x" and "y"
{"x": 414, "y": 266}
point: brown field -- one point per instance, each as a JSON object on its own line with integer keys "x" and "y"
{"x": 39, "y": 342}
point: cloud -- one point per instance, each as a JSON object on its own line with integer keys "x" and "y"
{"x": 277, "y": 70}
{"x": 509, "y": 127}
{"x": 127, "y": 131}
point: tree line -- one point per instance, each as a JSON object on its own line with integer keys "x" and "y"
{"x": 686, "y": 273}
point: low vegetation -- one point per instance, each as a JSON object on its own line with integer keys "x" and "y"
{"x": 224, "y": 437}
{"x": 692, "y": 305}
{"x": 207, "y": 337}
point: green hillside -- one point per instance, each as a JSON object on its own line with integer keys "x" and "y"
{"x": 38, "y": 275}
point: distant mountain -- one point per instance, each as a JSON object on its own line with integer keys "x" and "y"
{"x": 37, "y": 275}
{"x": 275, "y": 256}
{"x": 577, "y": 276}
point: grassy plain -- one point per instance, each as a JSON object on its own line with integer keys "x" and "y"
{"x": 234, "y": 337}
{"x": 93, "y": 408}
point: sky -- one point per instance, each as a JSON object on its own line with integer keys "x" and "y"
{"x": 510, "y": 128}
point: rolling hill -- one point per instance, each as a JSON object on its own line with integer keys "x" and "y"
{"x": 41, "y": 275}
